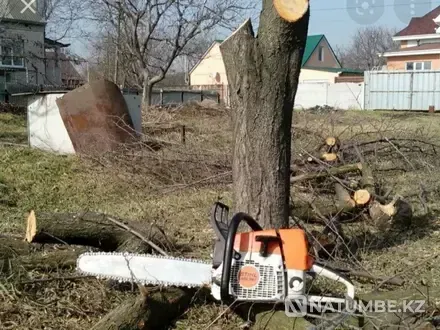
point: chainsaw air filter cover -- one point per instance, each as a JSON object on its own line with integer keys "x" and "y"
{"x": 269, "y": 264}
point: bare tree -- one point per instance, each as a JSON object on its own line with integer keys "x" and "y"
{"x": 63, "y": 17}
{"x": 156, "y": 32}
{"x": 366, "y": 44}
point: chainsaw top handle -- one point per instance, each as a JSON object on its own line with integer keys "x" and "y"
{"x": 229, "y": 249}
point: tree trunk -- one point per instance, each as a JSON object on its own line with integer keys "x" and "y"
{"x": 263, "y": 78}
{"x": 147, "y": 94}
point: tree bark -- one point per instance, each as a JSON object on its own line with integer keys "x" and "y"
{"x": 263, "y": 77}
{"x": 147, "y": 94}
{"x": 88, "y": 229}
{"x": 147, "y": 311}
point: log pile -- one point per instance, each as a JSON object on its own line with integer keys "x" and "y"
{"x": 328, "y": 190}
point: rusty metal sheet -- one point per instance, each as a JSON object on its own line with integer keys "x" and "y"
{"x": 96, "y": 117}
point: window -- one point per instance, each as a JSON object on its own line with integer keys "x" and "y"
{"x": 419, "y": 66}
{"x": 321, "y": 54}
{"x": 11, "y": 53}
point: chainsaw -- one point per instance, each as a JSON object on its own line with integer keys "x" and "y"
{"x": 268, "y": 266}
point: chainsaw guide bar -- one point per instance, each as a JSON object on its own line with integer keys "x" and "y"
{"x": 145, "y": 269}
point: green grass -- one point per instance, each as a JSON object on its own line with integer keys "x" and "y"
{"x": 157, "y": 188}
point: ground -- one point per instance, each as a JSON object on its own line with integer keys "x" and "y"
{"x": 176, "y": 187}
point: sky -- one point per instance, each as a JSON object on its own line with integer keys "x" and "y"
{"x": 338, "y": 20}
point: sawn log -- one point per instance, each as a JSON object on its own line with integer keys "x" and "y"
{"x": 87, "y": 229}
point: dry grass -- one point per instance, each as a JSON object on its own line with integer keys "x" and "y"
{"x": 175, "y": 188}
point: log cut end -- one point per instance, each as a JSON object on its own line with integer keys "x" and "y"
{"x": 329, "y": 157}
{"x": 362, "y": 197}
{"x": 31, "y": 227}
{"x": 291, "y": 10}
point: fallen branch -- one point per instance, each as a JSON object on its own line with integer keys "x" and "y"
{"x": 138, "y": 235}
{"x": 333, "y": 171}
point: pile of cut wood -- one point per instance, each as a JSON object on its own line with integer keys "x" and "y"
{"x": 335, "y": 185}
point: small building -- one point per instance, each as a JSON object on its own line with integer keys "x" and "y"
{"x": 319, "y": 64}
{"x": 419, "y": 44}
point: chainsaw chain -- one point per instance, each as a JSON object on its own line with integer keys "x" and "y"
{"x": 134, "y": 280}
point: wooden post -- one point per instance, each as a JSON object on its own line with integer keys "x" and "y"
{"x": 183, "y": 137}
{"x": 161, "y": 97}
{"x": 431, "y": 109}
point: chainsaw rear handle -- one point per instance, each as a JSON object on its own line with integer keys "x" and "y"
{"x": 229, "y": 249}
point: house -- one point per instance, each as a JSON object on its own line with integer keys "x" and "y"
{"x": 60, "y": 68}
{"x": 319, "y": 64}
{"x": 419, "y": 44}
{"x": 27, "y": 58}
{"x": 21, "y": 44}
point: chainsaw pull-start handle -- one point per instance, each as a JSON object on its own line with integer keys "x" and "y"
{"x": 229, "y": 249}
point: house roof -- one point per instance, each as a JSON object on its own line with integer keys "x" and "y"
{"x": 53, "y": 43}
{"x": 431, "y": 48}
{"x": 18, "y": 11}
{"x": 311, "y": 44}
{"x": 421, "y": 25}
{"x": 204, "y": 55}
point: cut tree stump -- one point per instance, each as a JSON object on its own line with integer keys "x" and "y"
{"x": 87, "y": 229}
{"x": 397, "y": 213}
{"x": 148, "y": 311}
